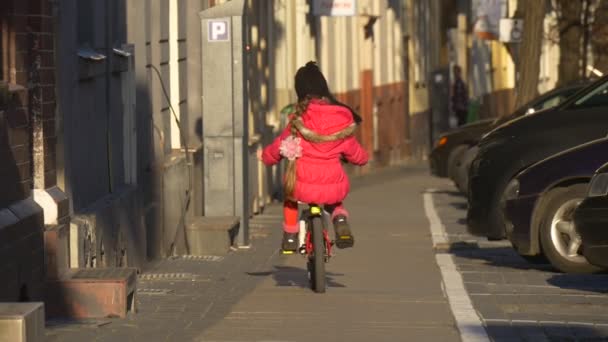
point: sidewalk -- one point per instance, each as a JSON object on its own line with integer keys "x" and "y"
{"x": 388, "y": 288}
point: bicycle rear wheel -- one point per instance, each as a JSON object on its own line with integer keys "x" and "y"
{"x": 317, "y": 262}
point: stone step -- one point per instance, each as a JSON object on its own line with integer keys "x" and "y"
{"x": 92, "y": 293}
{"x": 212, "y": 235}
{"x": 56, "y": 250}
{"x": 22, "y": 322}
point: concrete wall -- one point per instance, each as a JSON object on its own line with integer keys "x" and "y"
{"x": 165, "y": 38}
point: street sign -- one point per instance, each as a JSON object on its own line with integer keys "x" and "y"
{"x": 218, "y": 30}
{"x": 487, "y": 17}
{"x": 335, "y": 8}
{"x": 511, "y": 30}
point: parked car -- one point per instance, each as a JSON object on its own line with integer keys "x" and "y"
{"x": 540, "y": 201}
{"x": 515, "y": 145}
{"x": 545, "y": 101}
{"x": 461, "y": 175}
{"x": 591, "y": 219}
{"x": 448, "y": 153}
{"x": 451, "y": 145}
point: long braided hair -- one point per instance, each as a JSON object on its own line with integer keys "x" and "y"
{"x": 290, "y": 175}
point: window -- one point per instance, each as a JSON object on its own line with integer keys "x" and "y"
{"x": 552, "y": 102}
{"x": 7, "y": 44}
{"x": 3, "y": 48}
{"x": 597, "y": 97}
{"x": 86, "y": 23}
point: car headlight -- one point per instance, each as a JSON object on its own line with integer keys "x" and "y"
{"x": 599, "y": 185}
{"x": 512, "y": 190}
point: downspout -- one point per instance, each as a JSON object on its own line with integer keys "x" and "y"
{"x": 108, "y": 53}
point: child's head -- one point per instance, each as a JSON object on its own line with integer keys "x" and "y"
{"x": 311, "y": 82}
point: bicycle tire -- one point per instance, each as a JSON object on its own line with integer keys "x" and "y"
{"x": 318, "y": 262}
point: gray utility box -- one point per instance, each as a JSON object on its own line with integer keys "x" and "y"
{"x": 225, "y": 113}
{"x": 212, "y": 235}
{"x": 22, "y": 322}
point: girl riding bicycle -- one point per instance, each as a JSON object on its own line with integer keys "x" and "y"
{"x": 320, "y": 133}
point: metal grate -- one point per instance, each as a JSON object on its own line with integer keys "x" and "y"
{"x": 167, "y": 276}
{"x": 154, "y": 292}
{"x": 212, "y": 258}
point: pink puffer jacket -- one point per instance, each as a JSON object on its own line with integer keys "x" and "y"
{"x": 327, "y": 135}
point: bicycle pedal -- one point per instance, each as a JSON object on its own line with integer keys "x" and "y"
{"x": 284, "y": 252}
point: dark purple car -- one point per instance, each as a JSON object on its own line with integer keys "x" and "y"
{"x": 539, "y": 205}
{"x": 591, "y": 219}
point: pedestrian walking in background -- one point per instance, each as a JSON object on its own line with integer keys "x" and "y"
{"x": 460, "y": 97}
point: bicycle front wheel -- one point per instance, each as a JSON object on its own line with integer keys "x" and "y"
{"x": 318, "y": 257}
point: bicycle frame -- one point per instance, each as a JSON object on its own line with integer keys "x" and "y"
{"x": 305, "y": 235}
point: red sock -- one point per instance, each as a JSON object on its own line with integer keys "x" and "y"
{"x": 290, "y": 217}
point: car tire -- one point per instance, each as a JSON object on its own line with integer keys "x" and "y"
{"x": 455, "y": 159}
{"x": 558, "y": 237}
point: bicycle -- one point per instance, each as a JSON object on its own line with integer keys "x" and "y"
{"x": 315, "y": 245}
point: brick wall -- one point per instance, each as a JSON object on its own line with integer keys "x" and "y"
{"x": 28, "y": 68}
{"x": 28, "y": 74}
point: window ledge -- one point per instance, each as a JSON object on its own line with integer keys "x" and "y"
{"x": 15, "y": 88}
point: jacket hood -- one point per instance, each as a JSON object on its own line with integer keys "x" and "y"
{"x": 323, "y": 122}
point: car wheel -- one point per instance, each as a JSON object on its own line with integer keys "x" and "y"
{"x": 559, "y": 239}
{"x": 455, "y": 159}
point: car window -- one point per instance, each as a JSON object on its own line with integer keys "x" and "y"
{"x": 596, "y": 98}
{"x": 552, "y": 102}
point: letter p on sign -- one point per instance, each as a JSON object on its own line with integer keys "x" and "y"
{"x": 218, "y": 30}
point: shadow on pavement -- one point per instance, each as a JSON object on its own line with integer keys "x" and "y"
{"x": 447, "y": 192}
{"x": 460, "y": 206}
{"x": 497, "y": 256}
{"x": 585, "y": 282}
{"x": 287, "y": 276}
{"x": 544, "y": 331}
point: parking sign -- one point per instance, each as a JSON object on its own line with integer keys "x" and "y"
{"x": 218, "y": 30}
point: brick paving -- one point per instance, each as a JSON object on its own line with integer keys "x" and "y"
{"x": 388, "y": 288}
{"x": 180, "y": 297}
{"x": 516, "y": 300}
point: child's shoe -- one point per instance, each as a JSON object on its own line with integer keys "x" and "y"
{"x": 290, "y": 242}
{"x": 344, "y": 237}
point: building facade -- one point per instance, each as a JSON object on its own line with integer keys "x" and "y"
{"x": 101, "y": 119}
